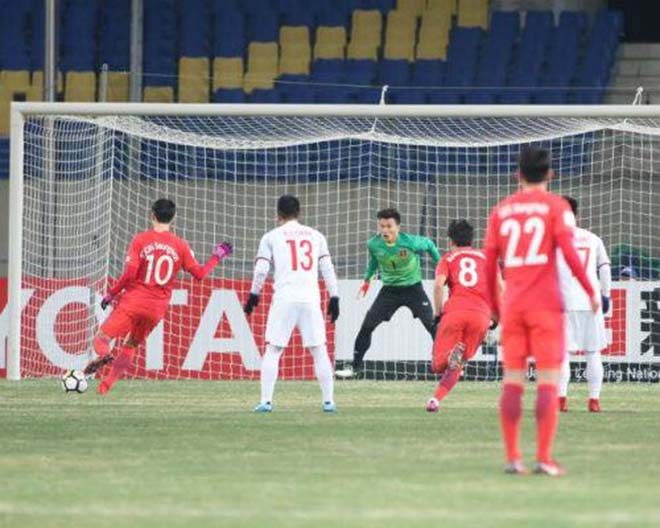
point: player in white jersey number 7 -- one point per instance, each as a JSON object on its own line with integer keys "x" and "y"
{"x": 297, "y": 254}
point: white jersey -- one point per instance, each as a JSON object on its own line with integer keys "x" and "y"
{"x": 591, "y": 250}
{"x": 294, "y": 251}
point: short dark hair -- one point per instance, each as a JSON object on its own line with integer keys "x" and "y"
{"x": 461, "y": 233}
{"x": 534, "y": 164}
{"x": 288, "y": 206}
{"x": 164, "y": 210}
{"x": 573, "y": 203}
{"x": 389, "y": 212}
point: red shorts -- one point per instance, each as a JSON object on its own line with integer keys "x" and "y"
{"x": 134, "y": 319}
{"x": 533, "y": 334}
{"x": 467, "y": 327}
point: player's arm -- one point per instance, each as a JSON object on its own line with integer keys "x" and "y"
{"x": 372, "y": 268}
{"x": 563, "y": 230}
{"x": 330, "y": 278}
{"x": 260, "y": 274}
{"x": 190, "y": 264}
{"x": 604, "y": 275}
{"x": 432, "y": 250}
{"x": 441, "y": 274}
{"x": 131, "y": 267}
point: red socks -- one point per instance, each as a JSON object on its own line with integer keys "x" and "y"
{"x": 510, "y": 414}
{"x": 119, "y": 366}
{"x": 447, "y": 382}
{"x": 546, "y": 421}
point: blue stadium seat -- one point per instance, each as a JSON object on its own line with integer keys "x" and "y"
{"x": 573, "y": 19}
{"x": 252, "y": 7}
{"x": 194, "y": 28}
{"x": 114, "y": 42}
{"x": 328, "y": 70}
{"x": 408, "y": 96}
{"x": 462, "y": 57}
{"x": 78, "y": 36}
{"x": 228, "y": 33}
{"x": 229, "y": 96}
{"x": 428, "y": 72}
{"x": 365, "y": 96}
{"x": 361, "y": 71}
{"x": 296, "y": 89}
{"x": 14, "y": 47}
{"x": 298, "y": 12}
{"x": 265, "y": 96}
{"x": 263, "y": 26}
{"x": 160, "y": 37}
{"x": 394, "y": 72}
{"x": 333, "y": 13}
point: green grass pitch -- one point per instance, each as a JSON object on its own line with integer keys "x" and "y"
{"x": 188, "y": 453}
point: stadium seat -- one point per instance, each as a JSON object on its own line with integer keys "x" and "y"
{"x": 114, "y": 35}
{"x": 158, "y": 94}
{"x": 414, "y": 7}
{"x": 160, "y": 43}
{"x": 434, "y": 35}
{"x": 394, "y": 72}
{"x": 229, "y": 33}
{"x": 80, "y": 87}
{"x": 330, "y": 43}
{"x": 223, "y": 95}
{"x": 262, "y": 66}
{"x": 428, "y": 73}
{"x": 260, "y": 95}
{"x": 295, "y": 50}
{"x": 329, "y": 70}
{"x": 117, "y": 88}
{"x": 194, "y": 29}
{"x": 263, "y": 26}
{"x": 5, "y": 101}
{"x": 227, "y": 73}
{"x": 361, "y": 71}
{"x": 193, "y": 80}
{"x": 15, "y": 81}
{"x": 443, "y": 6}
{"x": 400, "y": 35}
{"x": 473, "y": 13}
{"x": 365, "y": 34}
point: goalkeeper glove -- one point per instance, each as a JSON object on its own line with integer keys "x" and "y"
{"x": 605, "y": 303}
{"x": 333, "y": 308}
{"x": 223, "y": 250}
{"x": 363, "y": 289}
{"x": 253, "y": 300}
{"x": 106, "y": 300}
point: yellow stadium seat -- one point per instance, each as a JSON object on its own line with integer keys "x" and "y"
{"x": 5, "y": 101}
{"x": 330, "y": 42}
{"x": 262, "y": 66}
{"x": 158, "y": 94}
{"x": 294, "y": 35}
{"x": 295, "y": 50}
{"x": 444, "y": 6}
{"x": 400, "y": 35}
{"x": 367, "y": 27}
{"x": 416, "y": 7}
{"x": 432, "y": 50}
{"x": 80, "y": 87}
{"x": 473, "y": 13}
{"x": 227, "y": 73}
{"x": 15, "y": 81}
{"x": 193, "y": 80}
{"x": 362, "y": 51}
{"x": 118, "y": 89}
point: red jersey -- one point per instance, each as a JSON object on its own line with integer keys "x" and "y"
{"x": 525, "y": 230}
{"x": 153, "y": 261}
{"x": 465, "y": 269}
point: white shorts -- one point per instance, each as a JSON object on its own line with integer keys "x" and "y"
{"x": 585, "y": 331}
{"x": 283, "y": 317}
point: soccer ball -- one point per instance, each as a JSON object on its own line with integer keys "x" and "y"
{"x": 74, "y": 381}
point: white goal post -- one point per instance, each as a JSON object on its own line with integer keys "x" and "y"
{"x": 84, "y": 174}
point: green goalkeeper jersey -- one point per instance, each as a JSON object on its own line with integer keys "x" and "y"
{"x": 399, "y": 262}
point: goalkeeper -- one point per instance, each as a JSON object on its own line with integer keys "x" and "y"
{"x": 395, "y": 256}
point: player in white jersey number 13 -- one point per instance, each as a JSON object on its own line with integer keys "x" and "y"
{"x": 297, "y": 254}
{"x": 585, "y": 330}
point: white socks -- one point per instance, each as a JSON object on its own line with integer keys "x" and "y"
{"x": 594, "y": 374}
{"x": 323, "y": 371}
{"x": 564, "y": 376}
{"x": 270, "y": 364}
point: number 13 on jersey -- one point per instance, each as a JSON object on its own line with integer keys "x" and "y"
{"x": 301, "y": 254}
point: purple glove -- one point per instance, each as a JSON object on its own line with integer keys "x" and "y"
{"x": 223, "y": 250}
{"x": 106, "y": 300}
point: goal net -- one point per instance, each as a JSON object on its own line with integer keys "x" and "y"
{"x": 89, "y": 180}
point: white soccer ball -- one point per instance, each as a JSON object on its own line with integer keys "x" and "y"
{"x": 74, "y": 381}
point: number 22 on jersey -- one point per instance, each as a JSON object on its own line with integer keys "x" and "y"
{"x": 532, "y": 230}
{"x": 301, "y": 254}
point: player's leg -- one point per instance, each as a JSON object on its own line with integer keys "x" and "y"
{"x": 117, "y": 325}
{"x": 448, "y": 339}
{"x": 515, "y": 349}
{"x": 279, "y": 326}
{"x": 595, "y": 374}
{"x": 312, "y": 331}
{"x": 386, "y": 303}
{"x": 547, "y": 343}
{"x": 418, "y": 302}
{"x": 572, "y": 335}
